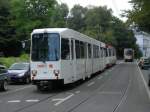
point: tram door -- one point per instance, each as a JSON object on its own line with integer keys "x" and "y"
{"x": 73, "y": 61}
{"x": 66, "y": 61}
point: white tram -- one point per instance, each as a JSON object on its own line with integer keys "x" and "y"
{"x": 64, "y": 55}
{"x": 110, "y": 56}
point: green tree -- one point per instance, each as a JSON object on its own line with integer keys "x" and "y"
{"x": 140, "y": 14}
{"x": 31, "y": 14}
{"x": 59, "y": 15}
{"x": 124, "y": 37}
{"x": 77, "y": 19}
{"x": 98, "y": 21}
{"x": 8, "y": 41}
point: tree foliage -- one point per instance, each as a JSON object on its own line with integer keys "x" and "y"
{"x": 99, "y": 23}
{"x": 140, "y": 14}
{"x": 30, "y": 14}
{"x": 59, "y": 15}
{"x": 77, "y": 18}
{"x": 20, "y": 17}
{"x": 8, "y": 41}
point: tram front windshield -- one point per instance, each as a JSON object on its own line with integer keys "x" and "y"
{"x": 45, "y": 47}
{"x": 129, "y": 52}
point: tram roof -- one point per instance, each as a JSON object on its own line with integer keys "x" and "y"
{"x": 48, "y": 30}
{"x": 63, "y": 30}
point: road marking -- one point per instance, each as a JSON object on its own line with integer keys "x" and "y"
{"x": 100, "y": 77}
{"x": 90, "y": 84}
{"x": 17, "y": 90}
{"x": 61, "y": 100}
{"x": 121, "y": 62}
{"x": 145, "y": 84}
{"x": 107, "y": 92}
{"x": 109, "y": 70}
{"x": 77, "y": 92}
{"x": 32, "y": 100}
{"x": 14, "y": 101}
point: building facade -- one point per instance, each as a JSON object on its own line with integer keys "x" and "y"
{"x": 143, "y": 41}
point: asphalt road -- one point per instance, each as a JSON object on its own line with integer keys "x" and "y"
{"x": 121, "y": 88}
{"x": 146, "y": 75}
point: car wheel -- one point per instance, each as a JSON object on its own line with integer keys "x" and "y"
{"x": 4, "y": 86}
{"x": 27, "y": 80}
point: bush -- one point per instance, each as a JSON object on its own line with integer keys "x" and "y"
{"x": 10, "y": 60}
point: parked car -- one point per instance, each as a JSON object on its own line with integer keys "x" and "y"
{"x": 3, "y": 78}
{"x": 19, "y": 72}
{"x": 144, "y": 63}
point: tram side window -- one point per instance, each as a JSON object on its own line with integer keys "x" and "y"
{"x": 106, "y": 52}
{"x": 77, "y": 49}
{"x": 89, "y": 51}
{"x": 85, "y": 50}
{"x": 109, "y": 50}
{"x": 82, "y": 52}
{"x": 72, "y": 49}
{"x": 101, "y": 52}
{"x": 95, "y": 51}
{"x": 65, "y": 51}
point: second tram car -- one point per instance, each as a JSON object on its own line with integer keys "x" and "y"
{"x": 110, "y": 56}
{"x": 64, "y": 55}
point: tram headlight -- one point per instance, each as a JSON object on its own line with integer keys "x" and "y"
{"x": 34, "y": 72}
{"x": 56, "y": 72}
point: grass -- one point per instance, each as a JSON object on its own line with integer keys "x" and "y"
{"x": 8, "y": 61}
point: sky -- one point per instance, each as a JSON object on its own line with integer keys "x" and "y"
{"x": 116, "y": 5}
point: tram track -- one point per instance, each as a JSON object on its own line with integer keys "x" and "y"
{"x": 65, "y": 90}
{"x": 123, "y": 98}
{"x": 28, "y": 106}
{"x": 56, "y": 94}
{"x": 90, "y": 96}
